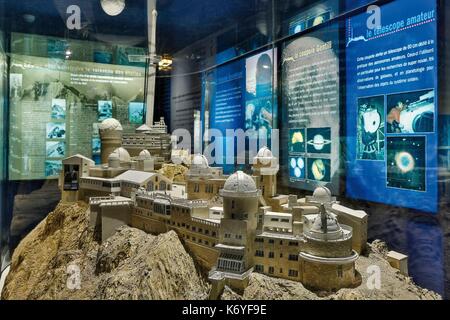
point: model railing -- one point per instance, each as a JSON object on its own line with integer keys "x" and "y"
{"x": 206, "y": 223}
{"x": 97, "y": 200}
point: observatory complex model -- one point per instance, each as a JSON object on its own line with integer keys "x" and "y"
{"x": 231, "y": 225}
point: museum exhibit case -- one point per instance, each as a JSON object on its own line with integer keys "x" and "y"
{"x": 194, "y": 150}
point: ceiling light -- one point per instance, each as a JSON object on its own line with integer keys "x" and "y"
{"x": 113, "y": 7}
{"x": 165, "y": 63}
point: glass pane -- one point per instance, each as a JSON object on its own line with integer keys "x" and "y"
{"x": 350, "y": 95}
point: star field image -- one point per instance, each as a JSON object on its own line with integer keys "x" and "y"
{"x": 406, "y": 166}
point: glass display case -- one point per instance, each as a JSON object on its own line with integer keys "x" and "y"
{"x": 350, "y": 97}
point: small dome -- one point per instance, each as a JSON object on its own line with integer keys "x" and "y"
{"x": 145, "y": 154}
{"x": 200, "y": 161}
{"x": 240, "y": 183}
{"x": 123, "y": 154}
{"x": 110, "y": 124}
{"x": 114, "y": 160}
{"x": 114, "y": 156}
{"x": 265, "y": 152}
{"x": 264, "y": 156}
{"x": 322, "y": 195}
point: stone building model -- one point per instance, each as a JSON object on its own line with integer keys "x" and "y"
{"x": 310, "y": 240}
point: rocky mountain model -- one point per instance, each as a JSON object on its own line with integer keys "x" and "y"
{"x": 60, "y": 259}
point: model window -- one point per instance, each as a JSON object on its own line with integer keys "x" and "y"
{"x": 259, "y": 253}
{"x": 340, "y": 273}
{"x": 260, "y": 240}
{"x": 293, "y": 243}
{"x": 271, "y": 241}
{"x": 233, "y": 204}
{"x": 271, "y": 270}
{"x": 259, "y": 268}
{"x": 271, "y": 255}
{"x": 214, "y": 234}
{"x": 293, "y": 257}
{"x": 293, "y": 273}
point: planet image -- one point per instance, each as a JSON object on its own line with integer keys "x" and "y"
{"x": 318, "y": 20}
{"x": 293, "y": 163}
{"x": 405, "y": 162}
{"x": 319, "y": 142}
{"x": 298, "y": 173}
{"x": 298, "y": 28}
{"x": 300, "y": 163}
{"x": 318, "y": 170}
{"x": 297, "y": 137}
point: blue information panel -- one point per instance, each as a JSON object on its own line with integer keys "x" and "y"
{"x": 392, "y": 105}
{"x": 240, "y": 95}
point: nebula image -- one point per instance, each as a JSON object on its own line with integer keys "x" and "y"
{"x": 406, "y": 166}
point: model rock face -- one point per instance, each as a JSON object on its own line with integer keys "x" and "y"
{"x": 252, "y": 229}
{"x": 130, "y": 265}
{"x": 135, "y": 265}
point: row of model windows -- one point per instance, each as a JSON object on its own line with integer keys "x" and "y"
{"x": 291, "y": 273}
{"x": 278, "y": 220}
{"x": 178, "y": 224}
{"x": 193, "y": 228}
{"x": 157, "y": 207}
{"x": 105, "y": 184}
{"x": 236, "y": 236}
{"x": 200, "y": 241}
{"x": 260, "y": 253}
{"x": 208, "y": 188}
{"x": 272, "y": 241}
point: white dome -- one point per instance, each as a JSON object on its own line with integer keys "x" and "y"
{"x": 123, "y": 154}
{"x": 110, "y": 124}
{"x": 265, "y": 152}
{"x": 264, "y": 156}
{"x": 145, "y": 154}
{"x": 322, "y": 195}
{"x": 200, "y": 161}
{"x": 114, "y": 156}
{"x": 240, "y": 184}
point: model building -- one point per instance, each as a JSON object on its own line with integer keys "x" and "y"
{"x": 314, "y": 240}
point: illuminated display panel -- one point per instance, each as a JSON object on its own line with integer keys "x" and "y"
{"x": 311, "y": 110}
{"x": 56, "y": 106}
{"x": 392, "y": 106}
{"x": 241, "y": 95}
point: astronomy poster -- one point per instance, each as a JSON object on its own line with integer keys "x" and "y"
{"x": 392, "y": 107}
{"x": 310, "y": 84}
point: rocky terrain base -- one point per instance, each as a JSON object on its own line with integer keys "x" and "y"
{"x": 60, "y": 259}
